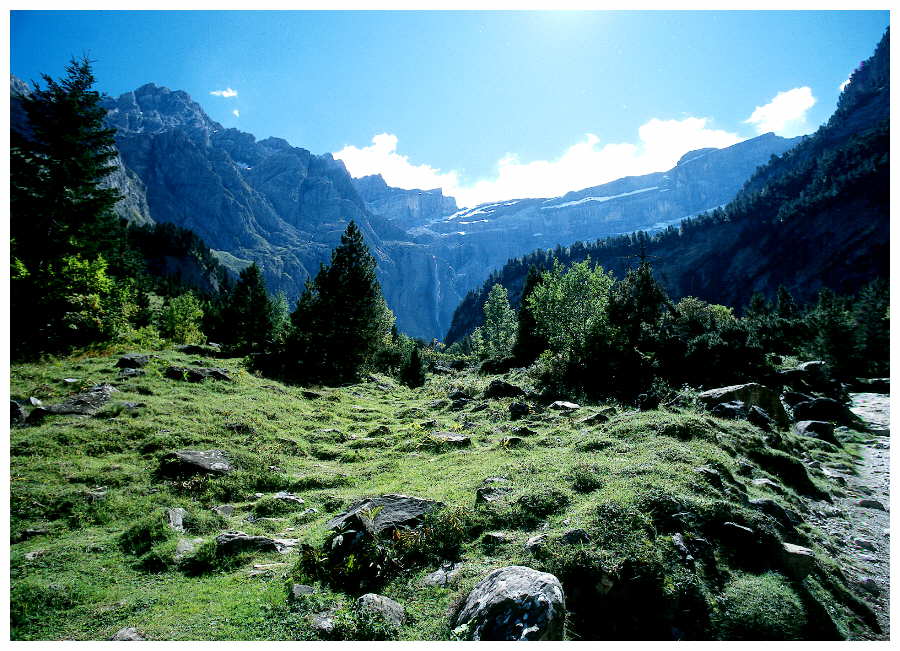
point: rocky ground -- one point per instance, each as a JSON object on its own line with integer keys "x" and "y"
{"x": 859, "y": 521}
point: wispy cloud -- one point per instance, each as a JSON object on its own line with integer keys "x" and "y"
{"x": 785, "y": 114}
{"x": 584, "y": 164}
{"x": 228, "y": 92}
{"x": 236, "y": 113}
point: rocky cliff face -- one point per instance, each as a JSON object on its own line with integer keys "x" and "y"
{"x": 404, "y": 208}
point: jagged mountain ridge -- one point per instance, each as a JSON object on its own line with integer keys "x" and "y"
{"x": 817, "y": 216}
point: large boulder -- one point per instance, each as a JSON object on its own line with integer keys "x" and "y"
{"x": 452, "y": 439}
{"x": 751, "y": 394}
{"x": 513, "y": 603}
{"x": 17, "y": 415}
{"x": 133, "y": 360}
{"x": 817, "y": 429}
{"x": 827, "y": 409}
{"x": 501, "y": 389}
{"x": 86, "y": 403}
{"x": 391, "y": 512}
{"x": 184, "y": 463}
{"x": 387, "y": 610}
{"x": 236, "y": 542}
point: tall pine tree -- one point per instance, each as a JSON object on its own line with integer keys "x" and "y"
{"x": 250, "y": 314}
{"x": 529, "y": 341}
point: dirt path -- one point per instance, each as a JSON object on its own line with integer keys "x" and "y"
{"x": 859, "y": 529}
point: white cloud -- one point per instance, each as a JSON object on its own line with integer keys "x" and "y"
{"x": 228, "y": 92}
{"x": 844, "y": 84}
{"x": 584, "y": 164}
{"x": 236, "y": 113}
{"x": 785, "y": 114}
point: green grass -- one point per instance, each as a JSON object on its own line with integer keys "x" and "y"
{"x": 108, "y": 563}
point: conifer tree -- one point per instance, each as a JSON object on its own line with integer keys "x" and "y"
{"x": 341, "y": 319}
{"x": 250, "y": 312}
{"x": 412, "y": 373}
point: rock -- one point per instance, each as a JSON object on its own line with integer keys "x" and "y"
{"x": 71, "y": 380}
{"x": 452, "y": 439}
{"x": 869, "y": 584}
{"x": 31, "y": 533}
{"x": 323, "y": 622}
{"x": 388, "y": 610}
{"x": 456, "y": 405}
{"x": 30, "y": 556}
{"x": 593, "y": 419}
{"x": 87, "y": 403}
{"x": 870, "y": 504}
{"x": 438, "y": 404}
{"x": 496, "y": 366}
{"x": 816, "y": 429}
{"x": 710, "y": 475}
{"x": 734, "y": 410}
{"x": 196, "y": 373}
{"x": 758, "y": 416}
{"x": 310, "y": 395}
{"x": 865, "y": 544}
{"x": 798, "y": 561}
{"x": 458, "y": 395}
{"x": 792, "y": 398}
{"x": 751, "y": 394}
{"x": 785, "y": 517}
{"x": 495, "y": 538}
{"x": 298, "y": 591}
{"x": 826, "y": 409}
{"x": 175, "y": 518}
{"x": 518, "y": 410}
{"x": 535, "y": 543}
{"x": 445, "y": 575}
{"x": 184, "y": 547}
{"x": 575, "y": 537}
{"x": 235, "y": 542}
{"x": 128, "y": 635}
{"x": 133, "y": 360}
{"x": 562, "y": 405}
{"x": 491, "y": 490}
{"x": 511, "y": 441}
{"x": 647, "y": 401}
{"x": 513, "y": 603}
{"x": 131, "y": 372}
{"x": 17, "y": 415}
{"x": 288, "y": 497}
{"x": 681, "y": 546}
{"x": 395, "y": 512}
{"x": 521, "y": 430}
{"x": 182, "y": 463}
{"x": 871, "y": 385}
{"x": 96, "y": 494}
{"x": 501, "y": 389}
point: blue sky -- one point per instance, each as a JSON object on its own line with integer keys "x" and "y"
{"x": 487, "y": 105}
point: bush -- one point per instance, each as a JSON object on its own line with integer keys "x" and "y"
{"x": 585, "y": 478}
{"x": 758, "y": 607}
{"x": 140, "y": 537}
{"x": 180, "y": 320}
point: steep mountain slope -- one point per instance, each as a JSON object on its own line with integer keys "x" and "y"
{"x": 816, "y": 216}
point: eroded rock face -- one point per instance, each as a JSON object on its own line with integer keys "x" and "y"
{"x": 192, "y": 462}
{"x": 391, "y": 512}
{"x": 513, "y": 603}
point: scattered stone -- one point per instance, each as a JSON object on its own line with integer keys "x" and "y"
{"x": 758, "y": 416}
{"x": 870, "y": 504}
{"x": 452, "y": 439}
{"x": 502, "y": 389}
{"x": 518, "y": 410}
{"x": 445, "y": 575}
{"x": 235, "y": 542}
{"x": 765, "y": 482}
{"x": 71, "y": 380}
{"x": 31, "y": 533}
{"x": 751, "y": 394}
{"x": 196, "y": 374}
{"x": 388, "y": 610}
{"x": 181, "y": 463}
{"x": 534, "y": 543}
{"x": 594, "y": 419}
{"x": 562, "y": 405}
{"x": 710, "y": 476}
{"x": 128, "y": 635}
{"x": 492, "y": 489}
{"x": 176, "y": 518}
{"x": 511, "y": 441}
{"x": 86, "y": 403}
{"x": 299, "y": 590}
{"x": 786, "y": 517}
{"x": 872, "y": 385}
{"x": 793, "y": 398}
{"x": 865, "y": 544}
{"x": 265, "y": 569}
{"x": 738, "y": 534}
{"x": 95, "y": 494}
{"x": 288, "y": 497}
{"x": 513, "y": 603}
{"x": 575, "y": 537}
{"x": 30, "y": 556}
{"x": 323, "y": 622}
{"x": 133, "y": 360}
{"x": 438, "y": 404}
{"x": 495, "y": 538}
{"x": 131, "y": 372}
{"x": 209, "y": 350}
{"x": 184, "y": 547}
{"x": 682, "y": 548}
{"x": 396, "y": 511}
{"x": 826, "y": 409}
{"x": 816, "y": 429}
{"x": 17, "y": 415}
{"x": 458, "y": 395}
{"x": 456, "y": 405}
{"x": 797, "y": 560}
